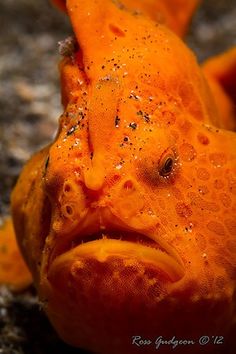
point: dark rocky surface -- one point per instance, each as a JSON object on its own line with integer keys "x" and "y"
{"x": 29, "y": 109}
{"x": 24, "y": 329}
{"x": 29, "y": 90}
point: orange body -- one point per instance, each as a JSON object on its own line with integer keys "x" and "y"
{"x": 127, "y": 220}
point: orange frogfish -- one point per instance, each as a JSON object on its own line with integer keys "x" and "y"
{"x": 127, "y": 219}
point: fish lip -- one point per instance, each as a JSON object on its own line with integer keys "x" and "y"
{"x": 121, "y": 235}
{"x": 148, "y": 238}
{"x": 123, "y": 239}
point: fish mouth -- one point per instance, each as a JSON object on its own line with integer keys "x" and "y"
{"x": 105, "y": 244}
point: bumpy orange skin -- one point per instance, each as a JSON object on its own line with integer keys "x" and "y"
{"x": 134, "y": 96}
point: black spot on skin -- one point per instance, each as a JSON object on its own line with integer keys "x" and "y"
{"x": 71, "y": 130}
{"x": 117, "y": 121}
{"x": 133, "y": 125}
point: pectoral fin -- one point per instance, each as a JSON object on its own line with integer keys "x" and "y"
{"x": 13, "y": 270}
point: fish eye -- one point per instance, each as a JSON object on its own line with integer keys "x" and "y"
{"x": 166, "y": 166}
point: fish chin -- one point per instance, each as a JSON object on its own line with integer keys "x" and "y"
{"x": 92, "y": 283}
{"x": 109, "y": 287}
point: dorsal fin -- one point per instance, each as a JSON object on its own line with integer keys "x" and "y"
{"x": 221, "y": 74}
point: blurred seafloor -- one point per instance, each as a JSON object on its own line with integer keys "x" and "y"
{"x": 29, "y": 109}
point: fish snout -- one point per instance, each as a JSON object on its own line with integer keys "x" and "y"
{"x": 125, "y": 199}
{"x": 124, "y": 196}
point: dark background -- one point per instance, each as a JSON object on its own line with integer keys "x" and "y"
{"x": 29, "y": 109}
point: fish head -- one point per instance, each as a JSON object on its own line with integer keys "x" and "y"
{"x": 140, "y": 229}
